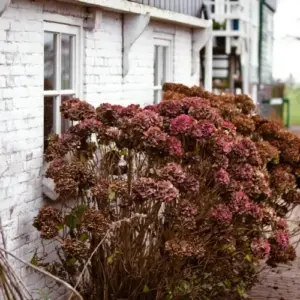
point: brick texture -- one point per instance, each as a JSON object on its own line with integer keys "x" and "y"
{"x": 21, "y": 117}
{"x": 278, "y": 284}
{"x": 21, "y": 103}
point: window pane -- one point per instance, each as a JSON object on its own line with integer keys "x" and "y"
{"x": 156, "y": 65}
{"x": 66, "y": 61}
{"x": 49, "y": 60}
{"x": 49, "y": 113}
{"x": 65, "y": 124}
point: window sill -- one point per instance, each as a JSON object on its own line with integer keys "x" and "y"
{"x": 124, "y": 6}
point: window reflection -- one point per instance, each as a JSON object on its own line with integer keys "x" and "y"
{"x": 49, "y": 60}
{"x": 66, "y": 59}
{"x": 49, "y": 113}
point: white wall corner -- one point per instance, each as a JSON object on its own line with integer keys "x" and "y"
{"x": 200, "y": 38}
{"x": 133, "y": 27}
{"x": 93, "y": 20}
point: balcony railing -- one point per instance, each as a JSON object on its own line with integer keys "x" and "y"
{"x": 222, "y": 10}
{"x": 187, "y": 7}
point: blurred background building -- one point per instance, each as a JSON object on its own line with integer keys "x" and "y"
{"x": 243, "y": 35}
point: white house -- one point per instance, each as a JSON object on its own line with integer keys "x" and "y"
{"x": 113, "y": 51}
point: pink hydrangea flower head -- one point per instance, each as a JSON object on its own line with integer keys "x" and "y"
{"x": 108, "y": 114}
{"x": 86, "y": 127}
{"x": 195, "y": 102}
{"x": 223, "y": 144}
{"x": 182, "y": 124}
{"x": 281, "y": 223}
{"x": 174, "y": 147}
{"x": 203, "y": 111}
{"x": 242, "y": 171}
{"x": 77, "y": 110}
{"x": 260, "y": 247}
{"x": 222, "y": 214}
{"x": 282, "y": 238}
{"x": 203, "y": 130}
{"x": 240, "y": 150}
{"x": 155, "y": 138}
{"x": 146, "y": 189}
{"x": 145, "y": 119}
{"x": 228, "y": 126}
{"x": 189, "y": 210}
{"x": 166, "y": 192}
{"x": 256, "y": 212}
{"x": 222, "y": 177}
{"x": 152, "y": 108}
{"x": 240, "y": 203}
{"x": 130, "y": 110}
{"x": 172, "y": 108}
{"x": 173, "y": 172}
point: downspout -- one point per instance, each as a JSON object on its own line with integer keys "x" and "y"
{"x": 261, "y": 14}
{"x": 3, "y": 6}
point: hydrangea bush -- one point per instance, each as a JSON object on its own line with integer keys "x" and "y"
{"x": 180, "y": 200}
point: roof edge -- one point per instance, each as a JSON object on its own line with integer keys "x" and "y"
{"x": 124, "y": 6}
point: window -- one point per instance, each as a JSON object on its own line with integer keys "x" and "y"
{"x": 162, "y": 66}
{"x": 61, "y": 73}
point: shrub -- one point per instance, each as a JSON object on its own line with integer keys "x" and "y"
{"x": 174, "y": 201}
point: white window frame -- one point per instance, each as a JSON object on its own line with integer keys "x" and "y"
{"x": 164, "y": 41}
{"x": 57, "y": 94}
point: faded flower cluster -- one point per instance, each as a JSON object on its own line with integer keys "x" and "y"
{"x": 210, "y": 176}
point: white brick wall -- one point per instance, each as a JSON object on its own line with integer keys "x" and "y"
{"x": 21, "y": 100}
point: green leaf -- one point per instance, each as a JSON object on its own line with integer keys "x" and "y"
{"x": 83, "y": 237}
{"x": 123, "y": 152}
{"x": 117, "y": 252}
{"x": 71, "y": 221}
{"x": 34, "y": 261}
{"x": 241, "y": 291}
{"x": 227, "y": 283}
{"x": 110, "y": 259}
{"x": 71, "y": 261}
{"x": 248, "y": 257}
{"x": 185, "y": 286}
{"x": 146, "y": 289}
{"x": 82, "y": 158}
{"x": 111, "y": 194}
{"x": 80, "y": 210}
{"x": 60, "y": 226}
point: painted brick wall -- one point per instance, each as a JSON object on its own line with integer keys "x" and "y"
{"x": 21, "y": 102}
{"x": 103, "y": 80}
{"x": 21, "y": 131}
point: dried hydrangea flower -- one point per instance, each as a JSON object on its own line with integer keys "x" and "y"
{"x": 260, "y": 247}
{"x": 48, "y": 222}
{"x": 222, "y": 214}
{"x": 182, "y": 124}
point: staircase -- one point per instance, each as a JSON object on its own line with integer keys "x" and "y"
{"x": 233, "y": 25}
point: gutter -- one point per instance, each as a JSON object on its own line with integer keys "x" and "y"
{"x": 3, "y": 6}
{"x": 261, "y": 15}
{"x": 124, "y": 6}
